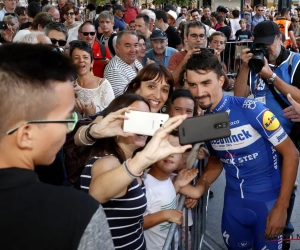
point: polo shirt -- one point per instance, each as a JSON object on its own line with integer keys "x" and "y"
{"x": 98, "y": 66}
{"x": 254, "y": 20}
{"x": 130, "y": 13}
{"x": 165, "y": 60}
{"x": 119, "y": 24}
{"x": 119, "y": 74}
{"x": 39, "y": 216}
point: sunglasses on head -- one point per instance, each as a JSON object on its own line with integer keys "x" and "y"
{"x": 89, "y": 33}
{"x": 10, "y": 14}
{"x": 60, "y": 42}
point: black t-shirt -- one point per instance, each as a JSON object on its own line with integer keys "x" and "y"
{"x": 173, "y": 37}
{"x": 25, "y": 25}
{"x": 39, "y": 216}
{"x": 242, "y": 35}
{"x": 225, "y": 30}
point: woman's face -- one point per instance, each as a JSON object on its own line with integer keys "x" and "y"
{"x": 82, "y": 60}
{"x": 136, "y": 141}
{"x": 182, "y": 106}
{"x": 142, "y": 48}
{"x": 70, "y": 16}
{"x": 23, "y": 18}
{"x": 13, "y": 25}
{"x": 156, "y": 91}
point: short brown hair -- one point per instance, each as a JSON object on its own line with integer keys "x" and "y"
{"x": 42, "y": 19}
{"x": 68, "y": 7}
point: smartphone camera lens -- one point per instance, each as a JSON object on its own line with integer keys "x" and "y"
{"x": 224, "y": 125}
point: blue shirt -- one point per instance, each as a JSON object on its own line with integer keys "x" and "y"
{"x": 248, "y": 155}
{"x": 254, "y": 20}
{"x": 165, "y": 60}
{"x": 119, "y": 24}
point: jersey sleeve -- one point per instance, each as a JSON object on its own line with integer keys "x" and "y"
{"x": 264, "y": 121}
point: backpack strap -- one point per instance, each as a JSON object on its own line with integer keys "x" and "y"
{"x": 102, "y": 49}
{"x": 110, "y": 43}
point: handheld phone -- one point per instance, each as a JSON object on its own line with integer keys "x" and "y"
{"x": 144, "y": 123}
{"x": 100, "y": 59}
{"x": 3, "y": 25}
{"x": 204, "y": 128}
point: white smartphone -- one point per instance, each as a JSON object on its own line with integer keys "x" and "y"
{"x": 144, "y": 123}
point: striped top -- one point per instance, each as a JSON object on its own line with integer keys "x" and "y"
{"x": 119, "y": 74}
{"x": 124, "y": 214}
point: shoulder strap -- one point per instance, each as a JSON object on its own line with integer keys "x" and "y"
{"x": 290, "y": 62}
{"x": 110, "y": 43}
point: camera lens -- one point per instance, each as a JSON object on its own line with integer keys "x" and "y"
{"x": 256, "y": 63}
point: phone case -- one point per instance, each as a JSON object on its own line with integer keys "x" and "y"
{"x": 144, "y": 123}
{"x": 204, "y": 128}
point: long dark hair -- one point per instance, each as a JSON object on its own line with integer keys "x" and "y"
{"x": 109, "y": 145}
{"x": 150, "y": 72}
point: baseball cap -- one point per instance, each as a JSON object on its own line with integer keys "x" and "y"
{"x": 265, "y": 32}
{"x": 172, "y": 14}
{"x": 119, "y": 7}
{"x": 158, "y": 34}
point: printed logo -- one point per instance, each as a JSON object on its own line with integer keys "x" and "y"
{"x": 244, "y": 244}
{"x": 234, "y": 122}
{"x": 249, "y": 104}
{"x": 281, "y": 137}
{"x": 226, "y": 236}
{"x": 269, "y": 121}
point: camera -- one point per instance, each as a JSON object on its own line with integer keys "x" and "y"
{"x": 259, "y": 51}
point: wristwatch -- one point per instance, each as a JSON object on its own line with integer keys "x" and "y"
{"x": 272, "y": 78}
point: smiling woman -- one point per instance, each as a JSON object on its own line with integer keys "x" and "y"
{"x": 93, "y": 94}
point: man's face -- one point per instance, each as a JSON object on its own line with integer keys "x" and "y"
{"x": 274, "y": 49}
{"x": 205, "y": 86}
{"x": 158, "y": 23}
{"x": 196, "y": 38}
{"x": 128, "y": 48}
{"x": 55, "y": 14}
{"x": 129, "y": 3}
{"x": 106, "y": 24}
{"x": 243, "y": 25}
{"x": 183, "y": 11}
{"x": 218, "y": 43}
{"x": 206, "y": 12}
{"x": 196, "y": 16}
{"x": 57, "y": 38}
{"x": 62, "y": 2}
{"x": 119, "y": 13}
{"x": 88, "y": 34}
{"x": 159, "y": 46}
{"x": 63, "y": 95}
{"x": 260, "y": 11}
{"x": 10, "y": 4}
{"x": 140, "y": 26}
{"x": 132, "y": 26}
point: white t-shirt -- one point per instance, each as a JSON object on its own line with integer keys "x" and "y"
{"x": 235, "y": 26}
{"x": 160, "y": 195}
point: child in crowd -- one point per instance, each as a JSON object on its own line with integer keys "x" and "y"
{"x": 243, "y": 34}
{"x": 161, "y": 196}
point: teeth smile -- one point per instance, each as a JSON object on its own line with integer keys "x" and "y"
{"x": 153, "y": 102}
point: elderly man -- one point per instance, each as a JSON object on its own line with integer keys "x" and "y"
{"x": 124, "y": 66}
{"x": 53, "y": 11}
{"x": 9, "y": 7}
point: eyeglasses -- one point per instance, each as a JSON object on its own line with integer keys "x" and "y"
{"x": 60, "y": 42}
{"x": 88, "y": 33}
{"x": 70, "y": 13}
{"x": 195, "y": 36}
{"x": 71, "y": 123}
{"x": 260, "y": 10}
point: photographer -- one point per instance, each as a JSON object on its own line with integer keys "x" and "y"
{"x": 270, "y": 66}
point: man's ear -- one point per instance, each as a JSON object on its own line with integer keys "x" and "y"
{"x": 25, "y": 137}
{"x": 221, "y": 80}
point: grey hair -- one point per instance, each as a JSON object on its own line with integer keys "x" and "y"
{"x": 32, "y": 37}
{"x": 46, "y": 8}
{"x": 106, "y": 15}
{"x": 193, "y": 24}
{"x": 149, "y": 13}
{"x": 123, "y": 32}
{"x": 56, "y": 26}
{"x": 9, "y": 19}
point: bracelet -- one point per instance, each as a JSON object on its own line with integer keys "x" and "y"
{"x": 133, "y": 176}
{"x": 88, "y": 136}
{"x": 87, "y": 144}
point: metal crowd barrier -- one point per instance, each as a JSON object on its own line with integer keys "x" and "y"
{"x": 232, "y": 56}
{"x": 199, "y": 215}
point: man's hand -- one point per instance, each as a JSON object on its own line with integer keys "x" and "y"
{"x": 292, "y": 112}
{"x": 266, "y": 71}
{"x": 275, "y": 222}
{"x": 202, "y": 153}
{"x": 190, "y": 202}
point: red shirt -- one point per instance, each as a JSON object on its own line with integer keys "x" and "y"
{"x": 98, "y": 67}
{"x": 130, "y": 13}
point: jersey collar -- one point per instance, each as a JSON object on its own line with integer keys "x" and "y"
{"x": 222, "y": 105}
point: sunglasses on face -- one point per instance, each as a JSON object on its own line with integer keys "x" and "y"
{"x": 89, "y": 33}
{"x": 60, "y": 42}
{"x": 70, "y": 13}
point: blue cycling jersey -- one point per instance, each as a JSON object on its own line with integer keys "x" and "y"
{"x": 252, "y": 175}
{"x": 248, "y": 155}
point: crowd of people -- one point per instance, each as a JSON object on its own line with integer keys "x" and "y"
{"x": 69, "y": 74}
